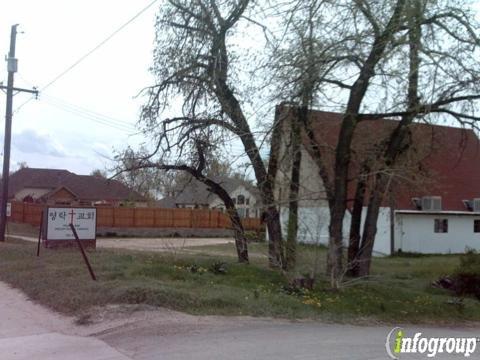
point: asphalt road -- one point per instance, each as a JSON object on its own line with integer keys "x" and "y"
{"x": 266, "y": 340}
{"x": 29, "y": 331}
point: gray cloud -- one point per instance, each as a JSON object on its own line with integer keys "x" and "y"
{"x": 30, "y": 142}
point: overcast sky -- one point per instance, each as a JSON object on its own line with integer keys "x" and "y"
{"x": 82, "y": 117}
{"x": 92, "y": 109}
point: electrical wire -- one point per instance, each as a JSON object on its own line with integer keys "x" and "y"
{"x": 89, "y": 116}
{"x": 90, "y": 112}
{"x": 86, "y": 55}
{"x": 103, "y": 42}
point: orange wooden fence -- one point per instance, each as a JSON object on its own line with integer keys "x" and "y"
{"x": 142, "y": 217}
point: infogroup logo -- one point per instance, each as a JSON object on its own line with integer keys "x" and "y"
{"x": 398, "y": 343}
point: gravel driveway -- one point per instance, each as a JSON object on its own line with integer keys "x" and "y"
{"x": 149, "y": 244}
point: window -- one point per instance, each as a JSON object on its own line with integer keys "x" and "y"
{"x": 240, "y": 199}
{"x": 241, "y": 212}
{"x": 476, "y": 226}
{"x": 441, "y": 225}
{"x": 247, "y": 213}
{"x": 247, "y": 201}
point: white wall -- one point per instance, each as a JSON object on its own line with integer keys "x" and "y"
{"x": 216, "y": 202}
{"x": 313, "y": 227}
{"x": 415, "y": 233}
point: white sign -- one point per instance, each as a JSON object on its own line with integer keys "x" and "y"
{"x": 9, "y": 209}
{"x": 59, "y": 220}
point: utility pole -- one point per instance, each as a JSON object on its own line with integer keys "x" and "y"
{"x": 12, "y": 69}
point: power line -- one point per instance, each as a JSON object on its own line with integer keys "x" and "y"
{"x": 90, "y": 112}
{"x": 103, "y": 42}
{"x": 82, "y": 58}
{"x": 88, "y": 116}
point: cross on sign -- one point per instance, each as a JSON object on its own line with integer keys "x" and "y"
{"x": 71, "y": 213}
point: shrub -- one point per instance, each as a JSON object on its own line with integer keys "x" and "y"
{"x": 218, "y": 268}
{"x": 469, "y": 264}
{"x": 466, "y": 278}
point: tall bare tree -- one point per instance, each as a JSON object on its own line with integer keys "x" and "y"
{"x": 440, "y": 41}
{"x": 366, "y": 69}
{"x": 195, "y": 64}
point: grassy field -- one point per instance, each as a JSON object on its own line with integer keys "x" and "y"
{"x": 398, "y": 291}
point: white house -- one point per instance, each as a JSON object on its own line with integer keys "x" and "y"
{"x": 195, "y": 195}
{"x": 433, "y": 203}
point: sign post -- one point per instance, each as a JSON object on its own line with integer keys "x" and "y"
{"x": 65, "y": 227}
{"x": 90, "y": 270}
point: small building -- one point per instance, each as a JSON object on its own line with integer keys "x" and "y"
{"x": 195, "y": 195}
{"x": 433, "y": 202}
{"x": 62, "y": 187}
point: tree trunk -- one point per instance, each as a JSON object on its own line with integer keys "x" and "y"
{"x": 240, "y": 239}
{"x": 370, "y": 226}
{"x": 342, "y": 161}
{"x": 239, "y": 233}
{"x": 232, "y": 107}
{"x": 399, "y": 140}
{"x": 217, "y": 189}
{"x": 291, "y": 248}
{"x": 343, "y": 151}
{"x": 356, "y": 223}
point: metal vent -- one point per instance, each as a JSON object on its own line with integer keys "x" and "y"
{"x": 476, "y": 204}
{"x": 432, "y": 203}
{"x": 468, "y": 204}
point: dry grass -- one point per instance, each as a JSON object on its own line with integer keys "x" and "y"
{"x": 398, "y": 291}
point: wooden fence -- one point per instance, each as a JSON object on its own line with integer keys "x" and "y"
{"x": 142, "y": 217}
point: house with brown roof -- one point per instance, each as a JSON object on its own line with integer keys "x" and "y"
{"x": 62, "y": 187}
{"x": 433, "y": 202}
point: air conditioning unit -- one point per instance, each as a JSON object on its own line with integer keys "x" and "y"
{"x": 476, "y": 204}
{"x": 432, "y": 203}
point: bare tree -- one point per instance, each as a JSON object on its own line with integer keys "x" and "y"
{"x": 366, "y": 68}
{"x": 199, "y": 147}
{"x": 195, "y": 64}
{"x": 142, "y": 180}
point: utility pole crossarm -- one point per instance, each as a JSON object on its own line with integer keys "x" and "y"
{"x": 34, "y": 91}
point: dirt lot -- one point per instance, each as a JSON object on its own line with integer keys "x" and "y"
{"x": 29, "y": 233}
{"x": 148, "y": 244}
{"x": 158, "y": 244}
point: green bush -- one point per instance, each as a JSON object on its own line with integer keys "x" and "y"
{"x": 218, "y": 268}
{"x": 469, "y": 264}
{"x": 467, "y": 274}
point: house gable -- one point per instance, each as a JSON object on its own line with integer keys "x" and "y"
{"x": 60, "y": 196}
